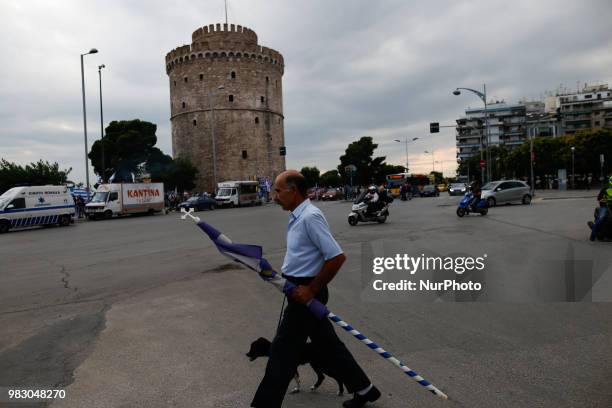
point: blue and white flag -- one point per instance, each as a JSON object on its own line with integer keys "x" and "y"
{"x": 251, "y": 256}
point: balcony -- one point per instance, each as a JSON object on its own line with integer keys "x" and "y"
{"x": 467, "y": 145}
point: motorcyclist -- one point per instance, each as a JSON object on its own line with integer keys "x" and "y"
{"x": 371, "y": 198}
{"x": 605, "y": 199}
{"x": 476, "y": 192}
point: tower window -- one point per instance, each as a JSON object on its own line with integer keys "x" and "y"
{"x": 174, "y": 83}
{"x": 201, "y": 77}
{"x": 256, "y": 119}
{"x": 233, "y": 75}
{"x": 262, "y": 99}
{"x": 267, "y": 80}
{"x": 183, "y": 105}
{"x": 186, "y": 79}
{"x": 195, "y": 122}
{"x": 231, "y": 98}
{"x": 244, "y": 154}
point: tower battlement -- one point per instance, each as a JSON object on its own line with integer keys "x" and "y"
{"x": 224, "y": 32}
{"x": 223, "y": 41}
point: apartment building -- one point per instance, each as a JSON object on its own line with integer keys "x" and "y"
{"x": 589, "y": 108}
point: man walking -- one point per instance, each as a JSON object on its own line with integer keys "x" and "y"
{"x": 312, "y": 260}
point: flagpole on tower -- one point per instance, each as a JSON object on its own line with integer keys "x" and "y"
{"x": 225, "y": 12}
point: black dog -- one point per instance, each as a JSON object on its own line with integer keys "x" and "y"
{"x": 261, "y": 348}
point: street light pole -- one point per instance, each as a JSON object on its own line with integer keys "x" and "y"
{"x": 483, "y": 96}
{"x": 102, "y": 125}
{"x": 406, "y": 141}
{"x": 433, "y": 166}
{"x": 573, "y": 174}
{"x": 212, "y": 133}
{"x": 92, "y": 51}
{"x": 531, "y": 160}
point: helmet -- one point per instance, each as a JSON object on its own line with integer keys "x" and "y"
{"x": 372, "y": 189}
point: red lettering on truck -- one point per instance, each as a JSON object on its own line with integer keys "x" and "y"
{"x": 143, "y": 192}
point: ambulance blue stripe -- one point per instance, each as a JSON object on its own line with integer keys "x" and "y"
{"x": 57, "y": 207}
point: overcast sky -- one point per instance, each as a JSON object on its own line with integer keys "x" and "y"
{"x": 352, "y": 68}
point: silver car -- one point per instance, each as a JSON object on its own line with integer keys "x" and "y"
{"x": 506, "y": 191}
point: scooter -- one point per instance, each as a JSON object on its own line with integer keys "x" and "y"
{"x": 359, "y": 212}
{"x": 464, "y": 208}
{"x": 604, "y": 227}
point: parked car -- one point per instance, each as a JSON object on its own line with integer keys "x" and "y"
{"x": 457, "y": 189}
{"x": 331, "y": 194}
{"x": 199, "y": 203}
{"x": 506, "y": 191}
{"x": 430, "y": 191}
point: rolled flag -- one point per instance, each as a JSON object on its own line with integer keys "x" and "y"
{"x": 251, "y": 257}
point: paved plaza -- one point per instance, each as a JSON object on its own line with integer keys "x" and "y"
{"x": 144, "y": 311}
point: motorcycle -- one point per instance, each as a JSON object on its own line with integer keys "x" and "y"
{"x": 359, "y": 212}
{"x": 604, "y": 227}
{"x": 464, "y": 208}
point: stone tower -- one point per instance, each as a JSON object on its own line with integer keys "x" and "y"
{"x": 226, "y": 102}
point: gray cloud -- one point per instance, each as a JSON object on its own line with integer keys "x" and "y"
{"x": 353, "y": 68}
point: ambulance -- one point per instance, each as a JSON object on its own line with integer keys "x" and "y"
{"x": 35, "y": 206}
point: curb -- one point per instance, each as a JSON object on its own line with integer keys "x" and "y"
{"x": 566, "y": 198}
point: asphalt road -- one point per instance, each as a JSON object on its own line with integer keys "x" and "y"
{"x": 143, "y": 311}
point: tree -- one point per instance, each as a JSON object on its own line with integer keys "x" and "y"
{"x": 312, "y": 176}
{"x": 158, "y": 165}
{"x": 39, "y": 173}
{"x": 331, "y": 178}
{"x": 125, "y": 146}
{"x": 471, "y": 167}
{"x": 437, "y": 176}
{"x": 359, "y": 154}
{"x": 180, "y": 175}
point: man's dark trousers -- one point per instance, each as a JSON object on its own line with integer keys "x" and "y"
{"x": 297, "y": 325}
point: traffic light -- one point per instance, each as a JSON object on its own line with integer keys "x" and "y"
{"x": 283, "y": 150}
{"x": 434, "y": 127}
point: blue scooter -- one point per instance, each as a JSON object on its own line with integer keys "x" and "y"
{"x": 482, "y": 206}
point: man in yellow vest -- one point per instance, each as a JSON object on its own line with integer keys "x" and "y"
{"x": 605, "y": 198}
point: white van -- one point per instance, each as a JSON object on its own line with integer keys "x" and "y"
{"x": 237, "y": 193}
{"x": 35, "y": 205}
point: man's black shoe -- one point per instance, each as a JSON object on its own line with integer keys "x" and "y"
{"x": 359, "y": 401}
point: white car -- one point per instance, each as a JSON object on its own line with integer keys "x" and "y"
{"x": 506, "y": 191}
{"x": 457, "y": 189}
